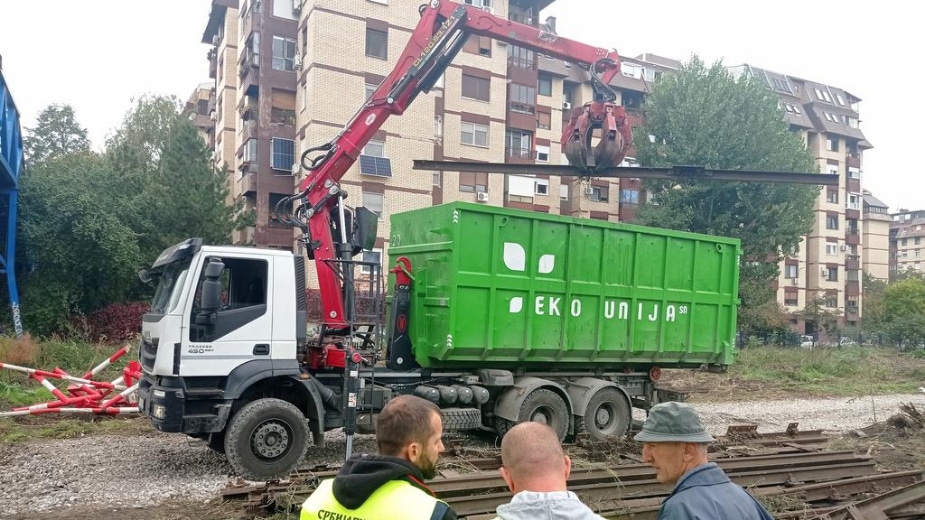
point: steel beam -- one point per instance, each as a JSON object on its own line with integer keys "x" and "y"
{"x": 680, "y": 173}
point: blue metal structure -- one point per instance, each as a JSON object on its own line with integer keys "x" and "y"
{"x": 11, "y": 160}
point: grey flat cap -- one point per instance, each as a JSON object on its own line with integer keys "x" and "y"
{"x": 673, "y": 422}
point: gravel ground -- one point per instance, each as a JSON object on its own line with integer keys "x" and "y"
{"x": 139, "y": 471}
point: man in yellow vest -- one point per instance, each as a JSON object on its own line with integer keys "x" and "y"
{"x": 536, "y": 470}
{"x": 390, "y": 485}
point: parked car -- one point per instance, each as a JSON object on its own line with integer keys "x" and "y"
{"x": 807, "y": 341}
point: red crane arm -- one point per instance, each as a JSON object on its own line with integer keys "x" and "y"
{"x": 438, "y": 37}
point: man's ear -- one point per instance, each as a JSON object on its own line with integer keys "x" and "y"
{"x": 411, "y": 452}
{"x": 568, "y": 467}
{"x": 507, "y": 479}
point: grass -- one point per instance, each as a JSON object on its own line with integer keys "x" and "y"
{"x": 774, "y": 372}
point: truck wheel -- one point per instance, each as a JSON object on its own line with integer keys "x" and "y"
{"x": 607, "y": 417}
{"x": 266, "y": 439}
{"x": 542, "y": 406}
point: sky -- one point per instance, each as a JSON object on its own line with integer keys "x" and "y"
{"x": 62, "y": 51}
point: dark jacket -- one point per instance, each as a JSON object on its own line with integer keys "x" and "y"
{"x": 706, "y": 493}
{"x": 363, "y": 474}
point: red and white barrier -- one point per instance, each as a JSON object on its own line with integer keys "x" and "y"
{"x": 84, "y": 395}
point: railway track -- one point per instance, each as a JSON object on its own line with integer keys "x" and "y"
{"x": 782, "y": 468}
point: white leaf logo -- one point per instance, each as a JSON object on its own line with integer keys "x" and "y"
{"x": 517, "y": 305}
{"x": 547, "y": 263}
{"x": 515, "y": 258}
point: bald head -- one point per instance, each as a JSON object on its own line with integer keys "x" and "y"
{"x": 533, "y": 459}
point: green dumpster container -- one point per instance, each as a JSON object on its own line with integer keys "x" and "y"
{"x": 505, "y": 288}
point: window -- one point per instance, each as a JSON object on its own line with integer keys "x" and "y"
{"x": 371, "y": 257}
{"x": 373, "y": 160}
{"x": 791, "y": 270}
{"x": 243, "y": 286}
{"x": 831, "y": 195}
{"x": 544, "y": 85}
{"x": 628, "y": 196}
{"x": 597, "y": 193}
{"x": 283, "y": 53}
{"x": 831, "y": 144}
{"x": 370, "y": 90}
{"x": 474, "y": 134}
{"x": 377, "y": 43}
{"x": 438, "y": 179}
{"x": 791, "y": 297}
{"x": 831, "y": 275}
{"x": 542, "y": 153}
{"x": 544, "y": 120}
{"x": 522, "y": 98}
{"x": 471, "y": 182}
{"x": 903, "y": 242}
{"x": 282, "y": 116}
{"x": 541, "y": 187}
{"x": 283, "y": 154}
{"x": 823, "y": 95}
{"x": 250, "y": 150}
{"x": 480, "y": 45}
{"x": 563, "y": 192}
{"x": 831, "y": 249}
{"x": 918, "y": 241}
{"x": 520, "y": 57}
{"x": 518, "y": 143}
{"x": 373, "y": 202}
{"x": 831, "y": 298}
{"x": 475, "y": 88}
{"x": 841, "y": 100}
{"x": 854, "y": 201}
{"x": 831, "y": 221}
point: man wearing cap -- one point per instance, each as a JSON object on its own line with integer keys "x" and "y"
{"x": 675, "y": 443}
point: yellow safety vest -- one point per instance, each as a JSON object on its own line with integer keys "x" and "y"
{"x": 394, "y": 500}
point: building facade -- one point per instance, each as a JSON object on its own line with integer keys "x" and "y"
{"x": 906, "y": 241}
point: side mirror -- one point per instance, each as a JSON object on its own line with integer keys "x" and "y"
{"x": 211, "y": 292}
{"x": 364, "y": 234}
{"x": 144, "y": 275}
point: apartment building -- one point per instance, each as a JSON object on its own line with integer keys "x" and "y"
{"x": 198, "y": 109}
{"x": 828, "y": 267}
{"x": 906, "y": 241}
{"x": 875, "y": 237}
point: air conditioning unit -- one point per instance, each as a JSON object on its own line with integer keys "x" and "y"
{"x": 481, "y": 196}
{"x": 295, "y": 169}
{"x": 215, "y": 40}
{"x": 297, "y": 62}
{"x": 488, "y": 9}
{"x": 844, "y": 247}
{"x": 589, "y": 190}
{"x": 213, "y": 116}
{"x": 566, "y": 105}
{"x": 296, "y": 6}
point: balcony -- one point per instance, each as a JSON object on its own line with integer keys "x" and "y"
{"x": 521, "y": 63}
{"x": 852, "y": 262}
{"x": 852, "y": 237}
{"x": 522, "y": 108}
{"x": 518, "y": 155}
{"x": 247, "y": 184}
{"x": 852, "y": 288}
{"x": 853, "y": 160}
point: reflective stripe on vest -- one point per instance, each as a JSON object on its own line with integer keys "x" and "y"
{"x": 394, "y": 500}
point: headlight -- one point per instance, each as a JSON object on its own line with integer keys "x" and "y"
{"x": 158, "y": 411}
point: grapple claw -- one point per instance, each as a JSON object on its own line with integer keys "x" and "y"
{"x": 615, "y": 136}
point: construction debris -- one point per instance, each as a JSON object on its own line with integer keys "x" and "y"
{"x": 84, "y": 395}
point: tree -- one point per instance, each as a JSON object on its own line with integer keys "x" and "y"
{"x": 819, "y": 318}
{"x": 187, "y": 196}
{"x": 904, "y": 311}
{"x": 874, "y": 290}
{"x": 56, "y": 133}
{"x": 705, "y": 116}
{"x": 79, "y": 251}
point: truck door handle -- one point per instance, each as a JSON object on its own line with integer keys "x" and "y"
{"x": 261, "y": 349}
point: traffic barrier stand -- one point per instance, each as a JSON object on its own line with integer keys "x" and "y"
{"x": 85, "y": 395}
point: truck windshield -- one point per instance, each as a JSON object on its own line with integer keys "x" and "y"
{"x": 169, "y": 287}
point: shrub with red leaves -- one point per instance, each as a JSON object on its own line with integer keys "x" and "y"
{"x": 114, "y": 323}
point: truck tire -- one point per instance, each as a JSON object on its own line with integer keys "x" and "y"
{"x": 266, "y": 439}
{"x": 461, "y": 418}
{"x": 542, "y": 406}
{"x": 607, "y": 417}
